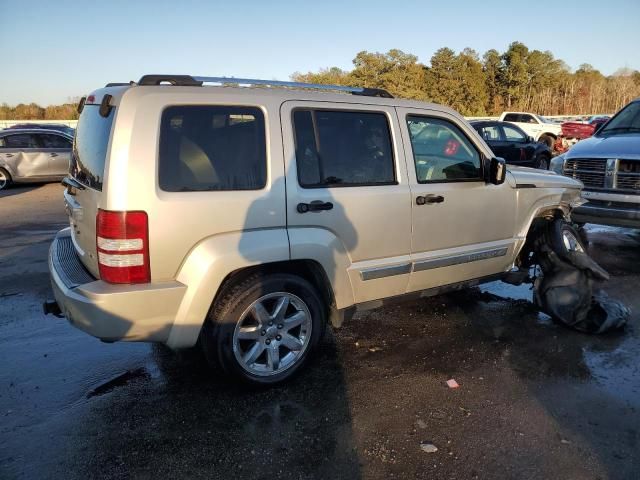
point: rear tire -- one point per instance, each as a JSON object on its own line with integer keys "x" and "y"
{"x": 5, "y": 179}
{"x": 543, "y": 162}
{"x": 548, "y": 140}
{"x": 263, "y": 330}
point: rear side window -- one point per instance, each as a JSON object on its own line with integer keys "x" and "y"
{"x": 89, "y": 151}
{"x": 215, "y": 148}
{"x": 343, "y": 148}
{"x": 21, "y": 140}
{"x": 54, "y": 141}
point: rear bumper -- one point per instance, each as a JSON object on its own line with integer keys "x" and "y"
{"x": 608, "y": 213}
{"x": 143, "y": 312}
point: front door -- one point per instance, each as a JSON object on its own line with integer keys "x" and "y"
{"x": 463, "y": 227}
{"x": 347, "y": 190}
{"x": 24, "y": 156}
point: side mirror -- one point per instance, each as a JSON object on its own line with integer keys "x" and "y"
{"x": 497, "y": 170}
{"x": 530, "y": 140}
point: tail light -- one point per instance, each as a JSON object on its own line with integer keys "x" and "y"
{"x": 122, "y": 239}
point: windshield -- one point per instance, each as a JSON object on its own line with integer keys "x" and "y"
{"x": 90, "y": 146}
{"x": 626, "y": 120}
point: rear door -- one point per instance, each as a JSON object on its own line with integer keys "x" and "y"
{"x": 24, "y": 157}
{"x": 88, "y": 159}
{"x": 463, "y": 227}
{"x": 347, "y": 183}
{"x": 58, "y": 148}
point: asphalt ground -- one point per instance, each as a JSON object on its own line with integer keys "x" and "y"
{"x": 535, "y": 400}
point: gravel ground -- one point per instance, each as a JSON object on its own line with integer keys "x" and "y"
{"x": 535, "y": 400}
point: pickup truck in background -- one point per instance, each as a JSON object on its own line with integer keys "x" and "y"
{"x": 608, "y": 164}
{"x": 536, "y": 126}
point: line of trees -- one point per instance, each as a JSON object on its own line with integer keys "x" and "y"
{"x": 518, "y": 79}
{"x": 33, "y": 111}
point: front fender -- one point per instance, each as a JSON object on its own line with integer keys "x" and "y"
{"x": 206, "y": 267}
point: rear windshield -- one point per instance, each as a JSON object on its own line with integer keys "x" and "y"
{"x": 90, "y": 146}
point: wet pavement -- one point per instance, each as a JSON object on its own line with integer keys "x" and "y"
{"x": 535, "y": 400}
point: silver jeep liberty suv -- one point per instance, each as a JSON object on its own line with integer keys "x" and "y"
{"x": 247, "y": 214}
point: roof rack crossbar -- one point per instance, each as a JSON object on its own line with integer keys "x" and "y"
{"x": 186, "y": 80}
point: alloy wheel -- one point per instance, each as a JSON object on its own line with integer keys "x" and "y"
{"x": 272, "y": 334}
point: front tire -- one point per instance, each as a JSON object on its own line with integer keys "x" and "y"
{"x": 5, "y": 179}
{"x": 263, "y": 330}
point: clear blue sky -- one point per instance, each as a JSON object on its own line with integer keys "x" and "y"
{"x": 53, "y": 50}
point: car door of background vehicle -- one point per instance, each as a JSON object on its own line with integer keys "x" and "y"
{"x": 23, "y": 156}
{"x": 517, "y": 147}
{"x": 493, "y": 136}
{"x": 463, "y": 227}
{"x": 348, "y": 161}
{"x": 58, "y": 149}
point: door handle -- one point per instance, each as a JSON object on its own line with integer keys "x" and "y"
{"x": 9, "y": 155}
{"x": 429, "y": 199}
{"x": 53, "y": 154}
{"x": 315, "y": 206}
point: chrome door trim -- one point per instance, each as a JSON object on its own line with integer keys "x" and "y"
{"x": 387, "y": 271}
{"x": 451, "y": 260}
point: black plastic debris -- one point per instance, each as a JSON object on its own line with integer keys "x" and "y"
{"x": 565, "y": 291}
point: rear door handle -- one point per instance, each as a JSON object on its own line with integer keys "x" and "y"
{"x": 429, "y": 199}
{"x": 53, "y": 154}
{"x": 8, "y": 155}
{"x": 315, "y": 206}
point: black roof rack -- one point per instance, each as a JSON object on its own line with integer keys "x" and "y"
{"x": 189, "y": 81}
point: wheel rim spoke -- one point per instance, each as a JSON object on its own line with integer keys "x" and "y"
{"x": 294, "y": 320}
{"x": 281, "y": 308}
{"x": 273, "y": 358}
{"x": 249, "y": 333}
{"x": 292, "y": 343}
{"x": 260, "y": 313}
{"x": 253, "y": 353}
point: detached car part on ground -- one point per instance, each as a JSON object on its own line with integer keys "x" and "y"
{"x": 565, "y": 279}
{"x": 245, "y": 219}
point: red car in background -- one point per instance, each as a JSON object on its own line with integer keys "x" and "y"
{"x": 572, "y": 132}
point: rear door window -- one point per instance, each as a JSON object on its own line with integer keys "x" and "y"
{"x": 21, "y": 140}
{"x": 343, "y": 148}
{"x": 512, "y": 117}
{"x": 89, "y": 152}
{"x": 215, "y": 148}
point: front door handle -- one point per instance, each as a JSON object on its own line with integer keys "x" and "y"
{"x": 315, "y": 206}
{"x": 53, "y": 154}
{"x": 429, "y": 199}
{"x": 9, "y": 155}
